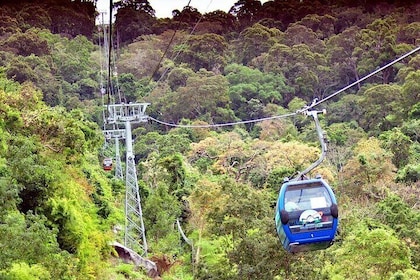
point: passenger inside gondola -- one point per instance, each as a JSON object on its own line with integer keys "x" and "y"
{"x": 307, "y": 198}
{"x": 307, "y": 207}
{"x": 291, "y": 205}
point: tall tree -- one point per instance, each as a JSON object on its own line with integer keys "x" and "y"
{"x": 369, "y": 165}
{"x": 255, "y": 40}
{"x": 137, "y": 5}
{"x": 369, "y": 250}
{"x": 225, "y": 22}
{"x": 340, "y": 56}
{"x": 188, "y": 15}
{"x": 375, "y": 46}
{"x": 251, "y": 90}
{"x": 246, "y": 11}
{"x": 381, "y": 108}
{"x": 205, "y": 51}
{"x": 204, "y": 97}
{"x": 133, "y": 19}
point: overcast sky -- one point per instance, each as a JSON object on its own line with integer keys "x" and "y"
{"x": 164, "y": 8}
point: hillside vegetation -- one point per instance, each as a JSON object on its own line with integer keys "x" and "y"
{"x": 58, "y": 208}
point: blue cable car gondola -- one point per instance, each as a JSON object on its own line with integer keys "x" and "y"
{"x": 306, "y": 215}
{"x": 306, "y": 212}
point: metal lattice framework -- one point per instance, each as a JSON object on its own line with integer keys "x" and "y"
{"x": 134, "y": 236}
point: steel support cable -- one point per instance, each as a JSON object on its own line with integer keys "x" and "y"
{"x": 358, "y": 81}
{"x": 167, "y": 47}
{"x": 101, "y": 62}
{"x": 303, "y": 110}
{"x": 109, "y": 51}
{"x": 186, "y": 40}
{"x": 177, "y": 53}
{"x": 191, "y": 33}
{"x": 121, "y": 95}
{"x": 222, "y": 124}
{"x": 114, "y": 65}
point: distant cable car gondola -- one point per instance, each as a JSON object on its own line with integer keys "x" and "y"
{"x": 306, "y": 212}
{"x": 107, "y": 164}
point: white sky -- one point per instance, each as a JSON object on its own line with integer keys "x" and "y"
{"x": 164, "y": 8}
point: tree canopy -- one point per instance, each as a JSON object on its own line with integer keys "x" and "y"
{"x": 225, "y": 89}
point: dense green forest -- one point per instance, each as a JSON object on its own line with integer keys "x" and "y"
{"x": 58, "y": 208}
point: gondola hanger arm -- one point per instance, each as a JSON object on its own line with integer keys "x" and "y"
{"x": 320, "y": 132}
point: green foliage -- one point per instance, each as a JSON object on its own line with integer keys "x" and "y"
{"x": 381, "y": 108}
{"x": 65, "y": 17}
{"x": 221, "y": 184}
{"x": 164, "y": 144}
{"x": 8, "y": 192}
{"x": 32, "y": 173}
{"x": 277, "y": 176}
{"x": 253, "y": 41}
{"x": 410, "y": 173}
{"x": 126, "y": 271}
{"x": 238, "y": 215}
{"x": 27, "y": 43}
{"x": 132, "y": 22}
{"x": 258, "y": 246}
{"x": 22, "y": 271}
{"x": 406, "y": 275}
{"x": 344, "y": 134}
{"x": 47, "y": 199}
{"x": 305, "y": 70}
{"x": 205, "y": 51}
{"x": 369, "y": 170}
{"x": 399, "y": 144}
{"x": 214, "y": 263}
{"x": 339, "y": 53}
{"x": 9, "y": 25}
{"x": 178, "y": 77}
{"x": 16, "y": 230}
{"x": 405, "y": 220}
{"x": 176, "y": 173}
{"x": 204, "y": 97}
{"x": 368, "y": 252}
{"x": 410, "y": 93}
{"x": 347, "y": 109}
{"x": 382, "y": 34}
{"x": 323, "y": 26}
{"x": 72, "y": 58}
{"x": 161, "y": 210}
{"x": 129, "y": 86}
{"x": 246, "y": 84}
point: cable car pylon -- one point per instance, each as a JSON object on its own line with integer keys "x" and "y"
{"x": 134, "y": 235}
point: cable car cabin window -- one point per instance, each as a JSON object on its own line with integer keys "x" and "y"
{"x": 308, "y": 208}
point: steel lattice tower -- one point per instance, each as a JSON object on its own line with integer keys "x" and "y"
{"x": 134, "y": 236}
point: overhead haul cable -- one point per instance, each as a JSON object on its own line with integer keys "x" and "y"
{"x": 173, "y": 57}
{"x": 221, "y": 124}
{"x": 303, "y": 110}
{"x": 362, "y": 79}
{"x": 167, "y": 47}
